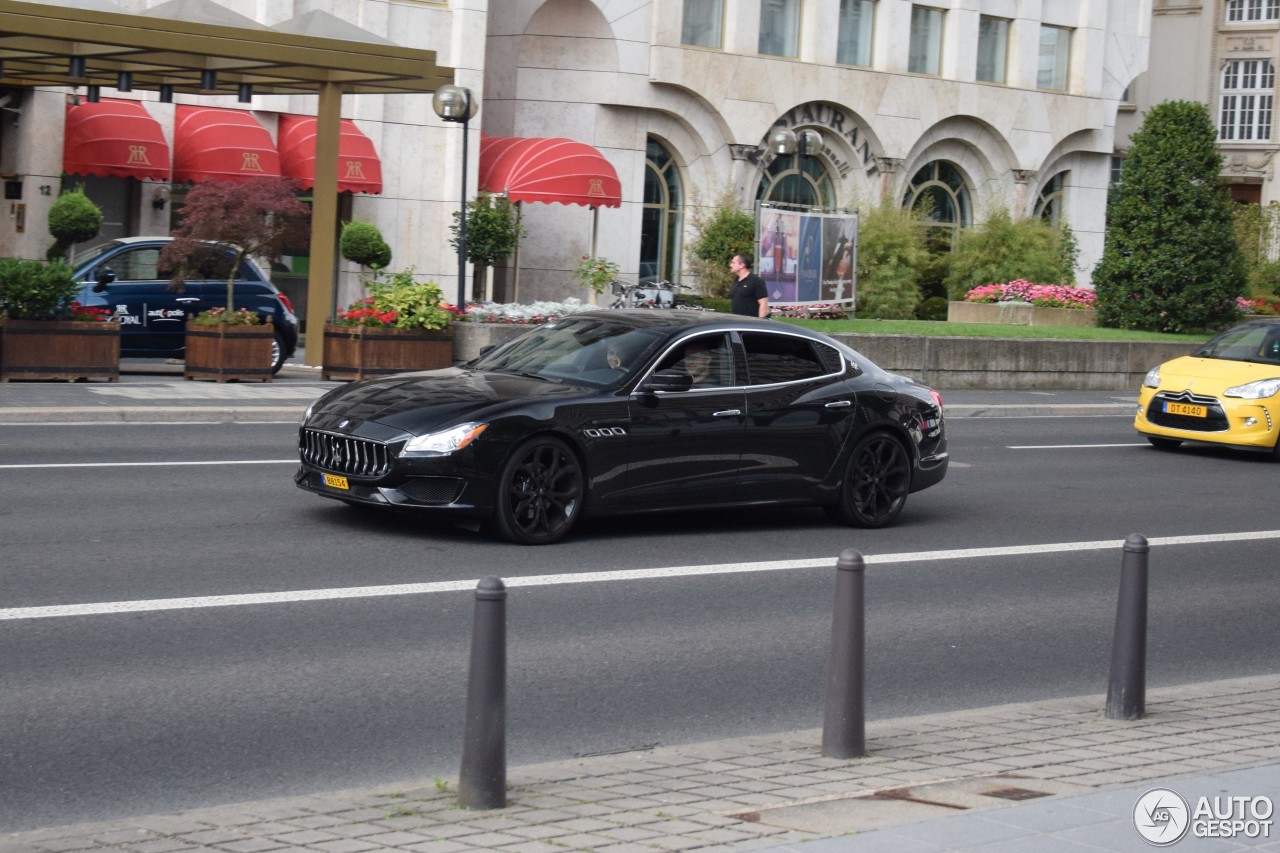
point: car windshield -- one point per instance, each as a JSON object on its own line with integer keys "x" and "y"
{"x": 1256, "y": 343}
{"x": 595, "y": 352}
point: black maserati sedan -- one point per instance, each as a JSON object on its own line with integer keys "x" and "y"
{"x": 630, "y": 411}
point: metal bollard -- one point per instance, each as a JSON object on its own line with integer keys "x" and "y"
{"x": 482, "y": 782}
{"x": 844, "y": 719}
{"x": 1126, "y": 691}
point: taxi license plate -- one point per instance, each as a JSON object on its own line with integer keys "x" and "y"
{"x": 333, "y": 481}
{"x": 1186, "y": 409}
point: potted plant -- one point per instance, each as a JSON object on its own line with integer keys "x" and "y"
{"x": 45, "y": 333}
{"x": 73, "y": 218}
{"x": 401, "y": 325}
{"x": 595, "y": 274}
{"x": 258, "y": 217}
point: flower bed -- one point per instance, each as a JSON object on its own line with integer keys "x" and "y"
{"x": 1039, "y": 295}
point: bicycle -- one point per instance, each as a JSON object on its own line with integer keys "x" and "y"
{"x": 661, "y": 295}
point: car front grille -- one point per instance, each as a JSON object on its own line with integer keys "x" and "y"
{"x": 1216, "y": 421}
{"x": 343, "y": 454}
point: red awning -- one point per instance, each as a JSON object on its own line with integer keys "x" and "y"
{"x": 359, "y": 169}
{"x": 224, "y": 145}
{"x": 114, "y": 139}
{"x": 548, "y": 170}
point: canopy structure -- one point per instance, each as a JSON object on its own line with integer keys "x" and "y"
{"x": 114, "y": 139}
{"x": 172, "y": 49}
{"x": 359, "y": 169}
{"x": 218, "y": 144}
{"x": 550, "y": 170}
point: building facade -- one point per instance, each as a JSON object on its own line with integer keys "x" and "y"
{"x": 970, "y": 105}
{"x": 1222, "y": 53}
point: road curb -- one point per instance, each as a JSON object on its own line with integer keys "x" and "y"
{"x": 150, "y": 414}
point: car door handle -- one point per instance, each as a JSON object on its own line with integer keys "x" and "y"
{"x": 727, "y": 413}
{"x": 187, "y": 299}
{"x": 839, "y": 404}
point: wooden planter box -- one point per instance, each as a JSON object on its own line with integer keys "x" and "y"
{"x": 69, "y": 350}
{"x": 360, "y": 352}
{"x": 226, "y": 353}
{"x": 1018, "y": 314}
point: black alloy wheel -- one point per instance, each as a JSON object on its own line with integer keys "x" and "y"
{"x": 539, "y": 493}
{"x": 877, "y": 483}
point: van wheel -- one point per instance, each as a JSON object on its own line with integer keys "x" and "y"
{"x": 277, "y": 353}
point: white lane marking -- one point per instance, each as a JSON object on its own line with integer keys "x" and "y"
{"x": 150, "y": 464}
{"x": 289, "y": 597}
{"x": 1070, "y": 446}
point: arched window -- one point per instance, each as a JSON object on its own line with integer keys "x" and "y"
{"x": 800, "y": 180}
{"x": 939, "y": 189}
{"x": 660, "y": 225}
{"x": 1248, "y": 93}
{"x": 1049, "y": 203}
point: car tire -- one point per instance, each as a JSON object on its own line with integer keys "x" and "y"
{"x": 540, "y": 493}
{"x": 876, "y": 483}
{"x": 277, "y": 353}
{"x": 1164, "y": 443}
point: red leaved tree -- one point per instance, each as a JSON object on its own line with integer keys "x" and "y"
{"x": 260, "y": 217}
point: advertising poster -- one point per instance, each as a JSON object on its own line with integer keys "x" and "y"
{"x": 807, "y": 257}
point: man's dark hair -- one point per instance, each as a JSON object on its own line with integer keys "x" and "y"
{"x": 747, "y": 260}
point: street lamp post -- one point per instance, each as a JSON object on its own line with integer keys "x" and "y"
{"x": 806, "y": 143}
{"x": 456, "y": 103}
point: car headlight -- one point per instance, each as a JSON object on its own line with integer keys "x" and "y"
{"x": 1254, "y": 390}
{"x": 446, "y": 442}
{"x": 1152, "y": 379}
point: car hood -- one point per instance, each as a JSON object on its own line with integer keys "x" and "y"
{"x": 1212, "y": 375}
{"x": 418, "y": 403}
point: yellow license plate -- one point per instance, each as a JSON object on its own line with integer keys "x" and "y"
{"x": 333, "y": 481}
{"x": 1185, "y": 409}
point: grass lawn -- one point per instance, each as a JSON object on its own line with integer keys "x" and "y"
{"x": 985, "y": 330}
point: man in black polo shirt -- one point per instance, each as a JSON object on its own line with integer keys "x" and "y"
{"x": 749, "y": 292}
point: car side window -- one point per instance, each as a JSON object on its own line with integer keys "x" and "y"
{"x": 706, "y": 358}
{"x": 135, "y": 264}
{"x": 773, "y": 358}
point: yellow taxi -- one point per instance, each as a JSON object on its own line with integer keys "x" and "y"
{"x": 1226, "y": 392}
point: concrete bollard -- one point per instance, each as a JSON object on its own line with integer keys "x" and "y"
{"x": 844, "y": 718}
{"x": 482, "y": 782}
{"x": 1127, "y": 688}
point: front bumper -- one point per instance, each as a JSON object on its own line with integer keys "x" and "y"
{"x": 1250, "y": 424}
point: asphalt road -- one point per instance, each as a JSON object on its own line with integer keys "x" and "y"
{"x": 104, "y": 714}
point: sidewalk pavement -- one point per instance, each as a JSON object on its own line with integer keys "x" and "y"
{"x": 150, "y": 390}
{"x": 1034, "y": 777}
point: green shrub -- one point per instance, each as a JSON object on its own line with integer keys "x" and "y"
{"x": 73, "y": 218}
{"x": 720, "y": 232}
{"x": 1171, "y": 262}
{"x": 35, "y": 290}
{"x": 362, "y": 243}
{"x": 891, "y": 256}
{"x": 1002, "y": 249}
{"x": 1257, "y": 230}
{"x": 933, "y": 308}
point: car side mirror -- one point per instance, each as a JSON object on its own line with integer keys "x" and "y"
{"x": 669, "y": 380}
{"x": 104, "y": 277}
